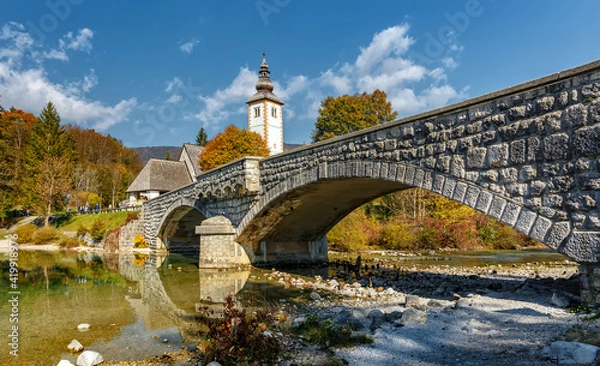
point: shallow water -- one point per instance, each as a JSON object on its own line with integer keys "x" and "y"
{"x": 144, "y": 305}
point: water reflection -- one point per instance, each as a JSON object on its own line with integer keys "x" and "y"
{"x": 134, "y": 302}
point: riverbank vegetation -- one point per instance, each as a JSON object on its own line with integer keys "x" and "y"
{"x": 415, "y": 219}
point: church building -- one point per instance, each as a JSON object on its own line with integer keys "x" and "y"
{"x": 265, "y": 115}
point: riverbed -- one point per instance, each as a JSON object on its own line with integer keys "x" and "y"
{"x": 140, "y": 305}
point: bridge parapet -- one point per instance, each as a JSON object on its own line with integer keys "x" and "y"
{"x": 528, "y": 156}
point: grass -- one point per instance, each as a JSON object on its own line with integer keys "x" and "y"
{"x": 110, "y": 221}
{"x": 326, "y": 334}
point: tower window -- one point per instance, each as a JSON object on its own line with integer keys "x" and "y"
{"x": 274, "y": 112}
{"x": 257, "y": 112}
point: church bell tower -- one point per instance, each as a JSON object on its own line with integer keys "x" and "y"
{"x": 265, "y": 115}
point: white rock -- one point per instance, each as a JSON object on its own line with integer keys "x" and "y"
{"x": 571, "y": 353}
{"x": 89, "y": 358}
{"x": 83, "y": 326}
{"x": 298, "y": 321}
{"x": 412, "y": 316}
{"x": 214, "y": 363}
{"x": 64, "y": 363}
{"x": 315, "y": 296}
{"x": 75, "y": 346}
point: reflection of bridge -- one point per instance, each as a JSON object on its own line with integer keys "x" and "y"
{"x": 169, "y": 296}
{"x": 527, "y": 156}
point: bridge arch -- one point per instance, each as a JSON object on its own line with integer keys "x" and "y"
{"x": 176, "y": 230}
{"x": 305, "y": 206}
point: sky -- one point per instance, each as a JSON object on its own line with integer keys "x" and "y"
{"x": 153, "y": 73}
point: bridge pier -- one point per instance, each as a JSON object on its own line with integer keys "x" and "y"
{"x": 590, "y": 284}
{"x": 292, "y": 252}
{"x": 218, "y": 248}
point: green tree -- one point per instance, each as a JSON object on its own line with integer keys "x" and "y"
{"x": 349, "y": 113}
{"x": 230, "y": 145}
{"x": 168, "y": 156}
{"x": 48, "y": 162}
{"x": 201, "y": 137}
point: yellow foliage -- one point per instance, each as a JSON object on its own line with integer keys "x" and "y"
{"x": 230, "y": 145}
{"x": 139, "y": 241}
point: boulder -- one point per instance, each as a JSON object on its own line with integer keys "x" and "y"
{"x": 83, "y": 326}
{"x": 413, "y": 301}
{"x": 75, "y": 346}
{"x": 89, "y": 358}
{"x": 213, "y": 363}
{"x": 571, "y": 353}
{"x": 64, "y": 363}
{"x": 412, "y": 316}
{"x": 315, "y": 296}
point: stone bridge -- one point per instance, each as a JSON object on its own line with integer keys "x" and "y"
{"x": 528, "y": 156}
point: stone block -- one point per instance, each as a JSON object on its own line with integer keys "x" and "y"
{"x": 518, "y": 152}
{"x": 471, "y": 196}
{"x": 540, "y": 229}
{"x": 460, "y": 192}
{"x": 556, "y": 147}
{"x": 409, "y": 176}
{"x": 438, "y": 183}
{"x": 525, "y": 221}
{"x": 497, "y": 207}
{"x": 448, "y": 189}
{"x": 484, "y": 201}
{"x": 497, "y": 156}
{"x": 510, "y": 214}
{"x": 586, "y": 141}
{"x": 558, "y": 233}
{"x": 476, "y": 158}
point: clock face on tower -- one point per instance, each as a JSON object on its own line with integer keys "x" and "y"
{"x": 265, "y": 115}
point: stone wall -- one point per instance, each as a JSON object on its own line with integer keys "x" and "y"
{"x": 527, "y": 156}
{"x": 129, "y": 231}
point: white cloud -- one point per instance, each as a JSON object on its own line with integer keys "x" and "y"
{"x": 82, "y": 41}
{"x": 188, "y": 47}
{"x": 30, "y": 88}
{"x": 384, "y": 64}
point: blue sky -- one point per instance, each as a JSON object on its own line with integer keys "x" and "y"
{"x": 153, "y": 74}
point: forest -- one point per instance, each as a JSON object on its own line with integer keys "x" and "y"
{"x": 48, "y": 167}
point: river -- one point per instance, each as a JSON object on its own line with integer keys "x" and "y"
{"x": 140, "y": 305}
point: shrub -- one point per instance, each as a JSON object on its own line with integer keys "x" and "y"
{"x": 25, "y": 233}
{"x": 132, "y": 216}
{"x": 398, "y": 236}
{"x": 98, "y": 230}
{"x": 236, "y": 338}
{"x": 351, "y": 234}
{"x": 82, "y": 230}
{"x": 139, "y": 241}
{"x": 45, "y": 235}
{"x": 69, "y": 243}
{"x": 327, "y": 334}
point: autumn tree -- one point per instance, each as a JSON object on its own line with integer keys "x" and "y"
{"x": 48, "y": 162}
{"x": 349, "y": 113}
{"x": 201, "y": 137}
{"x": 15, "y": 127}
{"x": 230, "y": 145}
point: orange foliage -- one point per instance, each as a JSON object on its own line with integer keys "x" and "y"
{"x": 230, "y": 145}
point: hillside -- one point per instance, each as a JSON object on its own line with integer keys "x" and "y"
{"x": 157, "y": 152}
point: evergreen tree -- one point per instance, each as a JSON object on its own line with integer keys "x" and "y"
{"x": 48, "y": 162}
{"x": 201, "y": 137}
{"x": 168, "y": 156}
